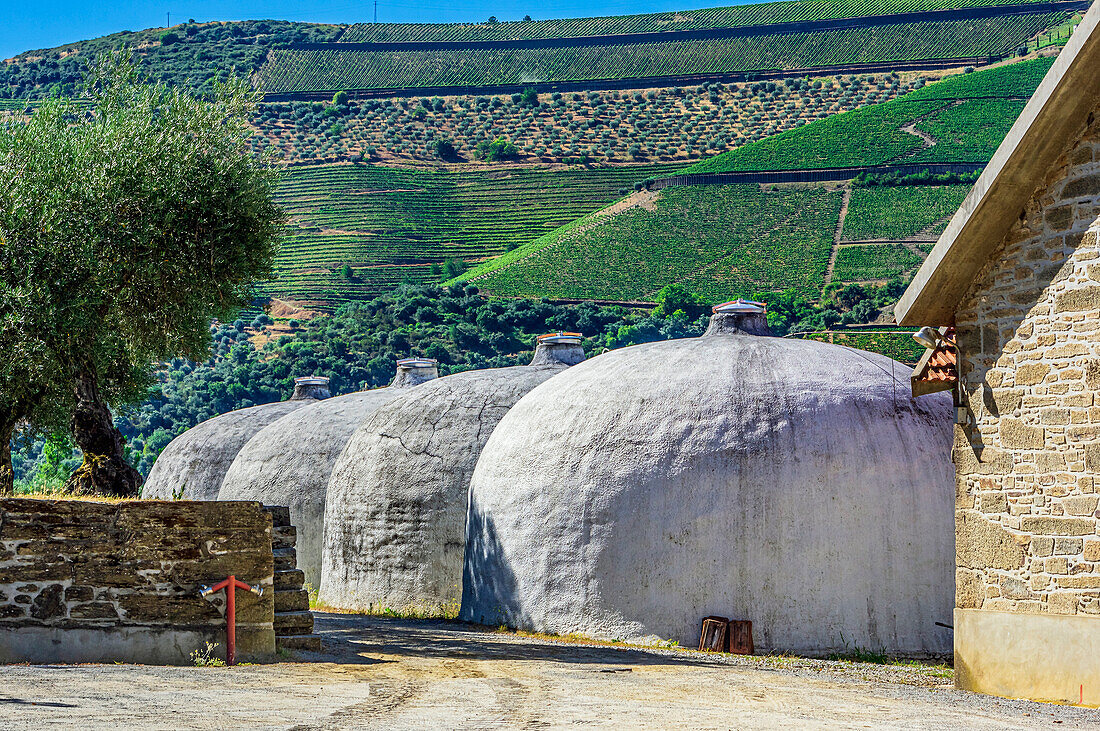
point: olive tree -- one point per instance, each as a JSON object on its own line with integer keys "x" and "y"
{"x": 126, "y": 224}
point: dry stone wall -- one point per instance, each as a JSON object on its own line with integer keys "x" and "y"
{"x": 1028, "y": 460}
{"x": 88, "y": 581}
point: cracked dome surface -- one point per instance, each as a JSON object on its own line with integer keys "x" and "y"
{"x": 396, "y": 509}
{"x": 792, "y": 483}
{"x": 193, "y": 464}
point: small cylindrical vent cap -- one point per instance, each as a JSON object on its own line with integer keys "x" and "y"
{"x": 315, "y": 387}
{"x": 414, "y": 371}
{"x": 561, "y": 338}
{"x": 740, "y": 307}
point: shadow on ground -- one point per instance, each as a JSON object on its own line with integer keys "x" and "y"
{"x": 346, "y": 636}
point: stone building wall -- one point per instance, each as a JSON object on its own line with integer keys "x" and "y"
{"x": 84, "y": 581}
{"x": 1029, "y": 343}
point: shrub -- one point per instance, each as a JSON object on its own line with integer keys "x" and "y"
{"x": 340, "y": 98}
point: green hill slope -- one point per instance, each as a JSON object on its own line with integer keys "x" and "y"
{"x": 723, "y": 17}
{"x": 967, "y": 115}
{"x": 332, "y": 68}
{"x": 726, "y": 240}
{"x": 389, "y": 225}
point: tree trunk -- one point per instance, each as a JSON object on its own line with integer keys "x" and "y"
{"x": 104, "y": 471}
{"x": 7, "y": 473}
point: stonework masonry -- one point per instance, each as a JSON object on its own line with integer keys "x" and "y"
{"x": 1028, "y": 462}
{"x": 84, "y": 581}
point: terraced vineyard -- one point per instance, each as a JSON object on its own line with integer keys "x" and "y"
{"x": 302, "y": 70}
{"x": 901, "y": 212}
{"x": 873, "y": 262}
{"x": 629, "y": 125}
{"x": 387, "y": 225}
{"x": 727, "y": 17}
{"x": 719, "y": 240}
{"x": 874, "y": 135}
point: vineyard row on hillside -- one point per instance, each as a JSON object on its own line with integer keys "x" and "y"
{"x": 791, "y": 11}
{"x": 965, "y": 129}
{"x": 359, "y": 230}
{"x": 292, "y": 70}
{"x": 655, "y": 124}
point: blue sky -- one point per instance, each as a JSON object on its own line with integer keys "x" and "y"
{"x": 31, "y": 24}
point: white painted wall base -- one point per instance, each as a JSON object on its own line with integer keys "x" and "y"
{"x": 1044, "y": 657}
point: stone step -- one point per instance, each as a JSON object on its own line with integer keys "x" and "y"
{"x": 302, "y": 643}
{"x": 284, "y": 537}
{"x": 286, "y": 559}
{"x": 289, "y": 580}
{"x": 280, "y": 515}
{"x": 293, "y": 623}
{"x": 292, "y": 601}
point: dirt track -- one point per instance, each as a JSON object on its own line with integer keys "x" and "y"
{"x": 378, "y": 673}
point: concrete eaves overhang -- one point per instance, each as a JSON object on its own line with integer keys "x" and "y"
{"x": 1059, "y": 107}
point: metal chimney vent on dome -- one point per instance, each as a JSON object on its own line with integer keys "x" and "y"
{"x": 417, "y": 363}
{"x": 306, "y": 387}
{"x": 740, "y": 306}
{"x": 739, "y": 316}
{"x": 414, "y": 371}
{"x": 561, "y": 338}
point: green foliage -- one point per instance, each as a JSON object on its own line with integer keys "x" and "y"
{"x": 677, "y": 298}
{"x": 412, "y": 219}
{"x": 1014, "y": 80}
{"x": 900, "y": 212}
{"x": 872, "y": 262}
{"x": 206, "y": 53}
{"x": 340, "y": 98}
{"x": 103, "y": 217}
{"x": 453, "y": 268}
{"x": 495, "y": 151}
{"x": 867, "y": 136}
{"x": 720, "y": 241}
{"x": 291, "y": 70}
{"x": 720, "y": 17}
{"x": 970, "y": 131}
{"x": 966, "y": 132}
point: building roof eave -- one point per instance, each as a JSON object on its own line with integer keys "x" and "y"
{"x": 1061, "y": 104}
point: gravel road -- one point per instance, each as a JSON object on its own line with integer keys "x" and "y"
{"x": 422, "y": 674}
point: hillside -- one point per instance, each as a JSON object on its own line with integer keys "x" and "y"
{"x": 360, "y": 230}
{"x": 965, "y": 117}
{"x": 326, "y": 68}
{"x": 727, "y": 240}
{"x": 189, "y": 55}
{"x": 621, "y": 126}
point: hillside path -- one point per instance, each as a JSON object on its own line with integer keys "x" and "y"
{"x": 837, "y": 235}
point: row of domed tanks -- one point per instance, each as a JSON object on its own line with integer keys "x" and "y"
{"x": 790, "y": 482}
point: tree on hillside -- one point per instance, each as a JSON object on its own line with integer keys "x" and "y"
{"x": 125, "y": 226}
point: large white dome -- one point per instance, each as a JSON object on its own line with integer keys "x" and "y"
{"x": 792, "y": 483}
{"x": 193, "y": 464}
{"x": 396, "y": 509}
{"x": 289, "y": 462}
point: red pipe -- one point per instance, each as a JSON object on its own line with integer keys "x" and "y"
{"x": 231, "y": 585}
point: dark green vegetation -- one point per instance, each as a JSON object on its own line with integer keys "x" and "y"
{"x": 388, "y": 225}
{"x": 901, "y": 212}
{"x": 191, "y": 55}
{"x": 721, "y": 241}
{"x": 727, "y": 17}
{"x": 966, "y": 129}
{"x": 124, "y": 230}
{"x": 621, "y": 126}
{"x": 357, "y": 347}
{"x": 301, "y": 70}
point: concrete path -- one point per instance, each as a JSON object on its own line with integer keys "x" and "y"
{"x": 404, "y": 674}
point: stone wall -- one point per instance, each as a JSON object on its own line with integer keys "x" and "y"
{"x": 1028, "y": 454}
{"x": 84, "y": 581}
